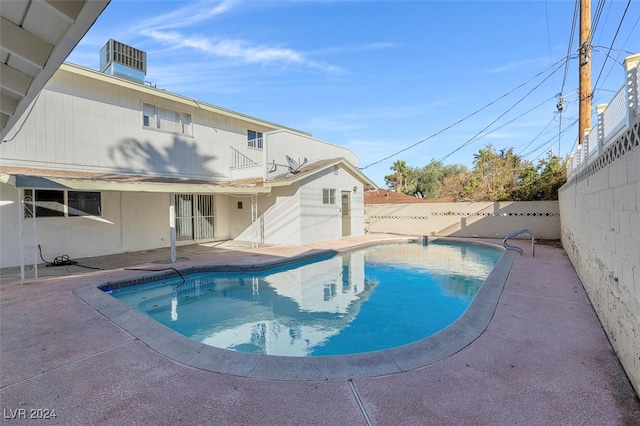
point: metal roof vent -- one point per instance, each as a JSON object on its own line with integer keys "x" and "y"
{"x": 123, "y": 61}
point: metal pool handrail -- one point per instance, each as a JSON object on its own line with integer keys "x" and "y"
{"x": 518, "y": 249}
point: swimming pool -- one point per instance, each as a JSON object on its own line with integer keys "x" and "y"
{"x": 364, "y": 300}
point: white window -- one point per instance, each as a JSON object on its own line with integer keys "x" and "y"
{"x": 254, "y": 139}
{"x": 154, "y": 117}
{"x": 185, "y": 121}
{"x": 328, "y": 196}
{"x": 56, "y": 203}
{"x": 149, "y": 117}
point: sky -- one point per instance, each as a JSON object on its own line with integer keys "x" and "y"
{"x": 391, "y": 80}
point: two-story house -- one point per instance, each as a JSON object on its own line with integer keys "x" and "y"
{"x": 102, "y": 163}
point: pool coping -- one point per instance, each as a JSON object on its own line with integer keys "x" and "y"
{"x": 422, "y": 353}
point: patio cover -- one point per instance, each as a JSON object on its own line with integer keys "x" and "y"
{"x": 82, "y": 181}
{"x": 29, "y": 178}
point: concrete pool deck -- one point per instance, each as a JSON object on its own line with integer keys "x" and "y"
{"x": 543, "y": 359}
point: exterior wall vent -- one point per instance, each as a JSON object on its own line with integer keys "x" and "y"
{"x": 123, "y": 61}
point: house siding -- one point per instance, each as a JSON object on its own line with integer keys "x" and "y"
{"x": 129, "y": 222}
{"x": 283, "y": 142}
{"x": 85, "y": 121}
{"x": 80, "y": 123}
{"x": 296, "y": 215}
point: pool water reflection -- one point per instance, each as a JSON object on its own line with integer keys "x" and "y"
{"x": 364, "y": 300}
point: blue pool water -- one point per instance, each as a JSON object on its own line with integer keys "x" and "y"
{"x": 364, "y": 300}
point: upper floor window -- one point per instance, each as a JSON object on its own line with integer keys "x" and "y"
{"x": 56, "y": 203}
{"x": 254, "y": 139}
{"x": 155, "y": 117}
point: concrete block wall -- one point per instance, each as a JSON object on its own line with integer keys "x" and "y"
{"x": 479, "y": 219}
{"x": 600, "y": 231}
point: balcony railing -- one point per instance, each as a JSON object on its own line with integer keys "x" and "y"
{"x": 245, "y": 157}
{"x": 614, "y": 119}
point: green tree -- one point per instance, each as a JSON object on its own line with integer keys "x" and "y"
{"x": 496, "y": 176}
{"x": 542, "y": 182}
{"x": 424, "y": 181}
{"x": 398, "y": 179}
{"x": 458, "y": 187}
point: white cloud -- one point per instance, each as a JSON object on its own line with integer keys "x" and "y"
{"x": 237, "y": 49}
{"x": 170, "y": 30}
{"x": 187, "y": 16}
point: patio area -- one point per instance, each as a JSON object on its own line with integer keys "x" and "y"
{"x": 544, "y": 358}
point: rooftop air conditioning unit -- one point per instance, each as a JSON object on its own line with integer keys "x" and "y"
{"x": 123, "y": 61}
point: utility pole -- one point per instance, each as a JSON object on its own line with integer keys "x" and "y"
{"x": 584, "y": 120}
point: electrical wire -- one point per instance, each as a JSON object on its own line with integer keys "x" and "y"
{"x": 517, "y": 117}
{"x": 551, "y": 141}
{"x": 468, "y": 142}
{"x": 546, "y": 15}
{"x": 464, "y": 118}
{"x": 559, "y": 132}
{"x": 537, "y": 136}
{"x": 33, "y": 104}
{"x": 576, "y": 10}
{"x": 575, "y": 142}
{"x": 596, "y": 20}
{"x": 631, "y": 32}
{"x": 597, "y": 49}
{"x": 611, "y": 46}
{"x": 479, "y": 136}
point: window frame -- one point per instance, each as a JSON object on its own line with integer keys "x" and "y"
{"x": 156, "y": 118}
{"x": 83, "y": 200}
{"x": 30, "y": 197}
{"x": 255, "y": 142}
{"x": 329, "y": 196}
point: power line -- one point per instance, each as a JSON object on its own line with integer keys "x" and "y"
{"x": 551, "y": 141}
{"x": 517, "y": 117}
{"x": 560, "y": 105}
{"x": 612, "y": 42}
{"x": 537, "y": 136}
{"x": 575, "y": 141}
{"x": 546, "y": 15}
{"x": 468, "y": 116}
{"x": 621, "y": 50}
{"x": 576, "y": 10}
{"x": 480, "y": 136}
{"x": 596, "y": 20}
{"x": 499, "y": 117}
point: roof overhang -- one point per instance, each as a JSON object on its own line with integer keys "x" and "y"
{"x": 35, "y": 38}
{"x": 126, "y": 183}
{"x": 318, "y": 167}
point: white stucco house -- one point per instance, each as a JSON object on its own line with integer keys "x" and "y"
{"x": 102, "y": 163}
